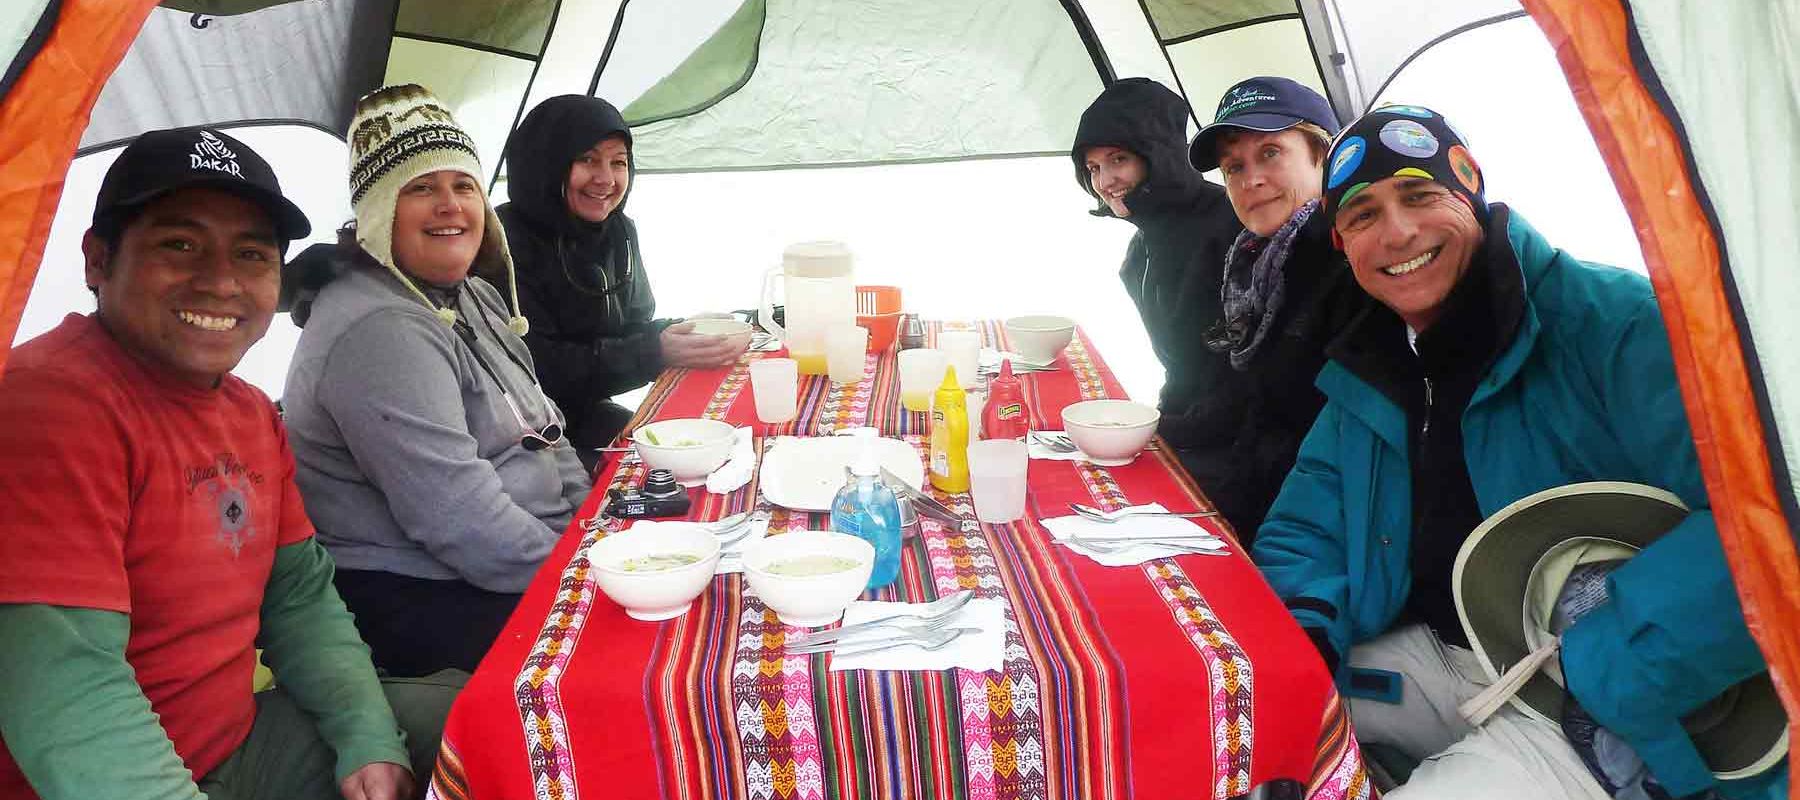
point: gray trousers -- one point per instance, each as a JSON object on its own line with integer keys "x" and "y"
{"x": 1511, "y": 756}
{"x": 284, "y": 758}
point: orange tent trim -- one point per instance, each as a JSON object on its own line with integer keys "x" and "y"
{"x": 41, "y": 121}
{"x": 1645, "y": 155}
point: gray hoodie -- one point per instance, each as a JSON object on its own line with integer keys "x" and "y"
{"x": 409, "y": 460}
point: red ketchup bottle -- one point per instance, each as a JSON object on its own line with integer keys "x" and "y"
{"x": 1005, "y": 415}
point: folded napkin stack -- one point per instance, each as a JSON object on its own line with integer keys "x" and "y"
{"x": 983, "y": 651}
{"x": 1159, "y": 534}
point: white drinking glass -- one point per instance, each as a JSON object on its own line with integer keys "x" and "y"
{"x": 775, "y": 383}
{"x": 846, "y": 348}
{"x": 921, "y": 372}
{"x": 997, "y": 470}
{"x": 962, "y": 349}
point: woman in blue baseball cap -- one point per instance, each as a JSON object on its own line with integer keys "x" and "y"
{"x": 1285, "y": 291}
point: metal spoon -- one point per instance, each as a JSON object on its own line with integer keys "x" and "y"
{"x": 1102, "y": 516}
{"x": 937, "y": 611}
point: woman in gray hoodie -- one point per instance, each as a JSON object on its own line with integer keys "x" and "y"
{"x": 430, "y": 461}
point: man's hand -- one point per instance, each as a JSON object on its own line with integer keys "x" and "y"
{"x": 681, "y": 347}
{"x": 378, "y": 781}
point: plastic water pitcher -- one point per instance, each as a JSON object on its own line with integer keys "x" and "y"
{"x": 819, "y": 291}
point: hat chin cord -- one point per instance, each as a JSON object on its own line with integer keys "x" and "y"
{"x": 1493, "y": 698}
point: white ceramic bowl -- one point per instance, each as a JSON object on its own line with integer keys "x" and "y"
{"x": 814, "y": 600}
{"x": 655, "y": 594}
{"x": 1040, "y": 338}
{"x": 1110, "y": 432}
{"x": 712, "y": 326}
{"x": 691, "y": 448}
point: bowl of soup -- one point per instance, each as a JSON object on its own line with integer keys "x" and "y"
{"x": 690, "y": 448}
{"x": 655, "y": 569}
{"x": 808, "y": 577}
{"x": 1110, "y": 433}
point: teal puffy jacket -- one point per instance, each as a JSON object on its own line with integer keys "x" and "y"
{"x": 1586, "y": 391}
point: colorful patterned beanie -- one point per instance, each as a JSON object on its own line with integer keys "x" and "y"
{"x": 1400, "y": 141}
{"x": 399, "y": 133}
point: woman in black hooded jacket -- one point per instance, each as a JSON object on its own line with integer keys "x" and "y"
{"x": 1173, "y": 270}
{"x": 581, "y": 277}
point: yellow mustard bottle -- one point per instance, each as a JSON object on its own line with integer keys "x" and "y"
{"x": 950, "y": 436}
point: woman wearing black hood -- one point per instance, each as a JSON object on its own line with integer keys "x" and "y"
{"x": 1131, "y": 154}
{"x": 581, "y": 277}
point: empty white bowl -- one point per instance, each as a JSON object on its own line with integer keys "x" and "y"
{"x": 712, "y": 326}
{"x": 690, "y": 448}
{"x": 1040, "y": 338}
{"x": 810, "y": 600}
{"x": 646, "y": 590}
{"x": 1110, "y": 433}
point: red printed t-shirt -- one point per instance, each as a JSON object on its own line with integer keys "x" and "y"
{"x": 123, "y": 489}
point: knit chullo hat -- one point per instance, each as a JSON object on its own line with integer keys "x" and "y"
{"x": 399, "y": 133}
{"x": 1397, "y": 142}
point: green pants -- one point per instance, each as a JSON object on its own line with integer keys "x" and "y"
{"x": 284, "y": 758}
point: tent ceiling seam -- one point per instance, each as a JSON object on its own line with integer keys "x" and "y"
{"x": 525, "y": 94}
{"x": 1227, "y": 27}
{"x": 1156, "y": 33}
{"x": 1084, "y": 29}
{"x": 728, "y": 91}
{"x": 1440, "y": 39}
{"x": 612, "y": 39}
{"x": 102, "y": 147}
{"x": 467, "y": 45}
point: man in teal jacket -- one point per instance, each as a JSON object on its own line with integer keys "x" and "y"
{"x": 1489, "y": 366}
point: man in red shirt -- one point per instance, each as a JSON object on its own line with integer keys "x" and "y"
{"x": 151, "y": 535}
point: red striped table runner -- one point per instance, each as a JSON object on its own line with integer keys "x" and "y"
{"x": 1181, "y": 677}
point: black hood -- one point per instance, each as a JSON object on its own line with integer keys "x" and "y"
{"x": 541, "y": 150}
{"x": 1145, "y": 117}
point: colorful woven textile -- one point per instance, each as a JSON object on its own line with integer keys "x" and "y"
{"x": 1135, "y": 682}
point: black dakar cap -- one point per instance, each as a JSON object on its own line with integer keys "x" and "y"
{"x": 160, "y": 162}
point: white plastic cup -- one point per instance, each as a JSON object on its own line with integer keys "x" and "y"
{"x": 775, "y": 383}
{"x": 962, "y": 349}
{"x": 846, "y": 348}
{"x": 997, "y": 479}
{"x": 921, "y": 372}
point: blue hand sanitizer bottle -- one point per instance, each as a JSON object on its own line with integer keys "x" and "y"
{"x": 867, "y": 508}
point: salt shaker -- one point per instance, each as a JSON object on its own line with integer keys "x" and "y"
{"x": 912, "y": 332}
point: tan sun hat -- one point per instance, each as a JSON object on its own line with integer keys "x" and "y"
{"x": 1522, "y": 571}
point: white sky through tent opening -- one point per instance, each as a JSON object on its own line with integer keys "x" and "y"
{"x": 968, "y": 239}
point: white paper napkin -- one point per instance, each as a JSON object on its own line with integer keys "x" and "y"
{"x": 1076, "y": 527}
{"x": 731, "y": 556}
{"x": 984, "y": 651}
{"x": 736, "y": 470}
{"x": 990, "y": 359}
